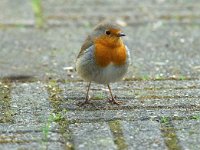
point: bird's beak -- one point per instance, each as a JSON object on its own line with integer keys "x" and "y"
{"x": 121, "y": 34}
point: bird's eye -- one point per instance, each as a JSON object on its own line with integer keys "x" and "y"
{"x": 108, "y": 32}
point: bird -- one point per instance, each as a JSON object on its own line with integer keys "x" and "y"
{"x": 103, "y": 58}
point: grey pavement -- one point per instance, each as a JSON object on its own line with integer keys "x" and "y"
{"x": 40, "y": 92}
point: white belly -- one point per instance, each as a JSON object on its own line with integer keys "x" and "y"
{"x": 111, "y": 73}
{"x": 87, "y": 68}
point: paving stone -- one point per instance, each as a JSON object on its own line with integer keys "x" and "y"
{"x": 31, "y": 112}
{"x": 140, "y": 84}
{"x": 21, "y": 128}
{"x": 157, "y": 94}
{"x": 87, "y": 116}
{"x": 135, "y": 114}
{"x": 32, "y": 146}
{"x": 171, "y": 93}
{"x": 143, "y": 135}
{"x": 39, "y": 137}
{"x": 159, "y": 84}
{"x": 29, "y": 103}
{"x": 135, "y": 85}
{"x": 38, "y": 53}
{"x": 62, "y": 11}
{"x": 16, "y": 12}
{"x": 188, "y": 133}
{"x": 187, "y": 103}
{"x": 170, "y": 113}
{"x": 46, "y": 54}
{"x": 88, "y": 136}
{"x": 164, "y": 58}
{"x": 163, "y": 37}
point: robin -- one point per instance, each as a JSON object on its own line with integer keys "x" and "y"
{"x": 103, "y": 57}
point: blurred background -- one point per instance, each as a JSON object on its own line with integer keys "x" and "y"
{"x": 41, "y": 38}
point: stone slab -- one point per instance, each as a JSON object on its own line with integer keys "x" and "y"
{"x": 44, "y": 54}
{"x": 143, "y": 135}
{"x": 188, "y": 133}
{"x": 31, "y": 127}
{"x": 139, "y": 94}
{"x": 32, "y": 146}
{"x": 47, "y": 54}
{"x": 89, "y": 136}
{"x": 60, "y": 12}
{"x": 29, "y": 103}
{"x": 38, "y": 53}
{"x": 16, "y": 12}
{"x": 136, "y": 114}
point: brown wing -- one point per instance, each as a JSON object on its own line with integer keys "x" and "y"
{"x": 88, "y": 42}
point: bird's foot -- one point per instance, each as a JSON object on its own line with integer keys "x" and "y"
{"x": 113, "y": 101}
{"x": 86, "y": 102}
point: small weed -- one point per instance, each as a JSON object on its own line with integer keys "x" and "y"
{"x": 145, "y": 77}
{"x": 196, "y": 117}
{"x": 88, "y": 24}
{"x": 159, "y": 77}
{"x": 45, "y": 129}
{"x": 164, "y": 120}
{"x": 182, "y": 77}
{"x": 55, "y": 92}
{"x": 37, "y": 8}
{"x": 99, "y": 96}
{"x": 47, "y": 126}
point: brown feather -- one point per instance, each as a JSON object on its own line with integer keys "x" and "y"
{"x": 87, "y": 43}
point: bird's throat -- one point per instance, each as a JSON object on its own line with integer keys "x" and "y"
{"x": 107, "y": 52}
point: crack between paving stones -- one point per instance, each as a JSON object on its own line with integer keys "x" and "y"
{"x": 169, "y": 134}
{"x": 5, "y": 97}
{"x": 188, "y": 107}
{"x": 55, "y": 100}
{"x": 144, "y": 118}
{"x": 116, "y": 129}
{"x": 4, "y": 141}
{"x": 27, "y": 131}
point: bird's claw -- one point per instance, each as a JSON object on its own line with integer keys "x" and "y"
{"x": 113, "y": 101}
{"x": 86, "y": 102}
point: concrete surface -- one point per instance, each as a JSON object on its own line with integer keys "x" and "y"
{"x": 40, "y": 91}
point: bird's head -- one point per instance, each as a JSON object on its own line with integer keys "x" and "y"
{"x": 108, "y": 34}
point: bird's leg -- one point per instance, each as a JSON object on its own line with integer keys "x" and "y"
{"x": 112, "y": 100}
{"x": 87, "y": 95}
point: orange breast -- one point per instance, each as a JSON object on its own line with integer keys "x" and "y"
{"x": 108, "y": 53}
